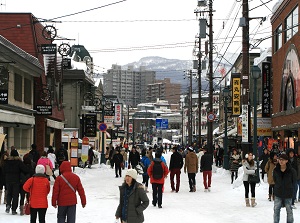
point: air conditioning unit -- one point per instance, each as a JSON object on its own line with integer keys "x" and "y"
{"x": 202, "y": 3}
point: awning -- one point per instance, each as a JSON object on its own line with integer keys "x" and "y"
{"x": 229, "y": 133}
{"x": 15, "y": 117}
{"x": 55, "y": 124}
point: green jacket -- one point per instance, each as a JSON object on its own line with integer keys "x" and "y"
{"x": 138, "y": 201}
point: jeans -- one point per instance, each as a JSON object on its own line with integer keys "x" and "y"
{"x": 289, "y": 211}
{"x": 192, "y": 180}
{"x": 66, "y": 211}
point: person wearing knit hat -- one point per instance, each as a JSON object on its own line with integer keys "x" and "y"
{"x": 131, "y": 192}
{"x": 40, "y": 169}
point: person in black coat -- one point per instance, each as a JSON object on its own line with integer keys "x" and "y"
{"x": 264, "y": 158}
{"x": 134, "y": 158}
{"x": 118, "y": 159}
{"x": 293, "y": 161}
{"x": 206, "y": 163}
{"x": 34, "y": 154}
{"x": 176, "y": 163}
{"x": 284, "y": 177}
{"x": 91, "y": 156}
{"x": 13, "y": 167}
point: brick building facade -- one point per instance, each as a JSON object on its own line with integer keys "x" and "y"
{"x": 286, "y": 73}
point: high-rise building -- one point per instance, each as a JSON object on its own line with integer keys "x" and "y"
{"x": 128, "y": 85}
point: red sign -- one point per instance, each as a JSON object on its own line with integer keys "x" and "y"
{"x": 130, "y": 128}
{"x": 211, "y": 116}
{"x": 102, "y": 127}
{"x": 118, "y": 115}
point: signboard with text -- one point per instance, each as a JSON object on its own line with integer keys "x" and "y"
{"x": 266, "y": 89}
{"x": 118, "y": 114}
{"x": 236, "y": 94}
{"x": 43, "y": 109}
{"x": 162, "y": 124}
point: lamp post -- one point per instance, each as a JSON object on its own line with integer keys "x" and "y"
{"x": 226, "y": 96}
{"x": 255, "y": 74}
{"x": 102, "y": 160}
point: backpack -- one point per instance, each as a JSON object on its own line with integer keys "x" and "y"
{"x": 61, "y": 155}
{"x": 158, "y": 171}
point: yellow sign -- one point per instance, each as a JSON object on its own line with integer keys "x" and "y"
{"x": 236, "y": 96}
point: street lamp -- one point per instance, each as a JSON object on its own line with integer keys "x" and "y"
{"x": 226, "y": 97}
{"x": 102, "y": 160}
{"x": 255, "y": 74}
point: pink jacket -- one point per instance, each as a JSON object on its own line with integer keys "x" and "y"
{"x": 45, "y": 161}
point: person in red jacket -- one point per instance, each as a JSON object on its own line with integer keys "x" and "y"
{"x": 64, "y": 194}
{"x": 157, "y": 172}
{"x": 38, "y": 187}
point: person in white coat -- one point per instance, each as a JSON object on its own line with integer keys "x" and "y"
{"x": 249, "y": 167}
{"x": 52, "y": 157}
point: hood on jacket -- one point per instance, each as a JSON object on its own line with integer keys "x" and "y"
{"x": 65, "y": 167}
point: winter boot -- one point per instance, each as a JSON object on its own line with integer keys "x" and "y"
{"x": 194, "y": 188}
{"x": 269, "y": 197}
{"x": 21, "y": 209}
{"x": 253, "y": 204}
{"x": 0, "y": 196}
{"x": 247, "y": 202}
{"x": 5, "y": 196}
{"x": 7, "y": 208}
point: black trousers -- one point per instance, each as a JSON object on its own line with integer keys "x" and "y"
{"x": 252, "y": 186}
{"x": 118, "y": 169}
{"x": 68, "y": 212}
{"x": 13, "y": 195}
{"x": 192, "y": 180}
{"x": 157, "y": 194}
{"x": 35, "y": 211}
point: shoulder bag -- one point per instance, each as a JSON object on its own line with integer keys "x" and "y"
{"x": 49, "y": 171}
{"x": 62, "y": 176}
{"x": 253, "y": 178}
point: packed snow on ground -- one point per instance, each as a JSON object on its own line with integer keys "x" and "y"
{"x": 225, "y": 203}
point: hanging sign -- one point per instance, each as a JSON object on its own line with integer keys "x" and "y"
{"x": 85, "y": 149}
{"x": 236, "y": 95}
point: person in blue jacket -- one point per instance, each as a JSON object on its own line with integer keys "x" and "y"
{"x": 145, "y": 163}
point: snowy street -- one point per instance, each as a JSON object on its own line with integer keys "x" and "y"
{"x": 225, "y": 203}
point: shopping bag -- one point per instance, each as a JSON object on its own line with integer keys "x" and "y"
{"x": 49, "y": 171}
{"x": 26, "y": 208}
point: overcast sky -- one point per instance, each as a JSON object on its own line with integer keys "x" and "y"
{"x": 123, "y": 31}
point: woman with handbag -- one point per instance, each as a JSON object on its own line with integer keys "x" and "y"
{"x": 38, "y": 187}
{"x": 249, "y": 167}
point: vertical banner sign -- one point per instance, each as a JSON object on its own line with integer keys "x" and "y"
{"x": 130, "y": 128}
{"x": 266, "y": 86}
{"x": 3, "y": 85}
{"x": 74, "y": 152}
{"x": 118, "y": 114}
{"x": 236, "y": 95}
{"x": 245, "y": 123}
{"x": 85, "y": 149}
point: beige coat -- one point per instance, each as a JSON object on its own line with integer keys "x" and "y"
{"x": 269, "y": 170}
{"x": 191, "y": 163}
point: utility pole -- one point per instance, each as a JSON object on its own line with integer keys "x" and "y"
{"x": 210, "y": 61}
{"x": 190, "y": 131}
{"x": 245, "y": 74}
{"x": 199, "y": 89}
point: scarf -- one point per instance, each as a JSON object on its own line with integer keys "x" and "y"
{"x": 127, "y": 192}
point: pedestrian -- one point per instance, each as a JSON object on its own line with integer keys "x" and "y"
{"x": 134, "y": 158}
{"x": 61, "y": 156}
{"x": 23, "y": 178}
{"x": 124, "y": 154}
{"x": 219, "y": 156}
{"x": 145, "y": 162}
{"x": 293, "y": 161}
{"x": 38, "y": 187}
{"x": 298, "y": 177}
{"x": 34, "y": 154}
{"x": 157, "y": 172}
{"x": 264, "y": 159}
{"x": 3, "y": 189}
{"x": 150, "y": 153}
{"x": 133, "y": 200}
{"x": 206, "y": 163}
{"x": 44, "y": 160}
{"x": 284, "y": 177}
{"x": 13, "y": 166}
{"x": 271, "y": 164}
{"x": 110, "y": 157}
{"x": 91, "y": 156}
{"x": 249, "y": 167}
{"x": 176, "y": 163}
{"x": 52, "y": 157}
{"x": 64, "y": 194}
{"x": 234, "y": 162}
{"x": 191, "y": 167}
{"x": 118, "y": 160}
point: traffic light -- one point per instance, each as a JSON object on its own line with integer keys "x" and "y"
{"x": 90, "y": 125}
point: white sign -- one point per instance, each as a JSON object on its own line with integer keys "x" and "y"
{"x": 245, "y": 123}
{"x": 118, "y": 114}
{"x": 109, "y": 121}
